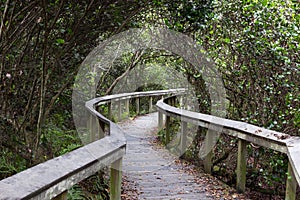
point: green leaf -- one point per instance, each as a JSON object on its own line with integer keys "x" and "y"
{"x": 265, "y": 2}
{"x": 60, "y": 41}
{"x": 226, "y": 40}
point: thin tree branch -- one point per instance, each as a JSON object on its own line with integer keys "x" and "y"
{"x": 134, "y": 61}
{"x": 54, "y": 98}
{"x": 3, "y": 19}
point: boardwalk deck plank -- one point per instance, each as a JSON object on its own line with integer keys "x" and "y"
{"x": 153, "y": 169}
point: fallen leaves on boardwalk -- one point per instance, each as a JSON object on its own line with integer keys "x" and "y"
{"x": 129, "y": 189}
{"x": 213, "y": 186}
{"x": 133, "y": 188}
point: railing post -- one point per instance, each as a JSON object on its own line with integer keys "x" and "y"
{"x": 101, "y": 129}
{"x": 137, "y": 102}
{"x": 160, "y": 120}
{"x": 169, "y": 101}
{"x": 183, "y": 137}
{"x": 241, "y": 166}
{"x": 173, "y": 101}
{"x": 168, "y": 124}
{"x": 150, "y": 104}
{"x": 92, "y": 126}
{"x": 181, "y": 101}
{"x": 291, "y": 184}
{"x": 100, "y": 125}
{"x": 127, "y": 107}
{"x": 116, "y": 180}
{"x": 119, "y": 110}
{"x": 209, "y": 138}
{"x": 62, "y": 196}
{"x": 109, "y": 111}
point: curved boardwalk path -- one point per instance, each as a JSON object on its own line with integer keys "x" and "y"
{"x": 153, "y": 169}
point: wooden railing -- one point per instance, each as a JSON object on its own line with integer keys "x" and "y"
{"x": 290, "y": 145}
{"x": 53, "y": 178}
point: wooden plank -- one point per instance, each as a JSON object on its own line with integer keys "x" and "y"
{"x": 241, "y": 166}
{"x": 109, "y": 111}
{"x": 92, "y": 128}
{"x": 119, "y": 110}
{"x": 291, "y": 185}
{"x": 116, "y": 180}
{"x": 122, "y": 96}
{"x": 51, "y": 178}
{"x": 168, "y": 137}
{"x": 165, "y": 179}
{"x": 183, "y": 138}
{"x": 294, "y": 159}
{"x": 150, "y": 104}
{"x": 137, "y": 104}
{"x": 258, "y": 135}
{"x": 160, "y": 121}
{"x": 209, "y": 139}
{"x": 101, "y": 129}
{"x": 100, "y": 125}
{"x": 127, "y": 108}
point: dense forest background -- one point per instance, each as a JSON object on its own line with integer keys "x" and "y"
{"x": 255, "y": 45}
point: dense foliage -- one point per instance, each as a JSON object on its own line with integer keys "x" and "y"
{"x": 42, "y": 44}
{"x": 255, "y": 45}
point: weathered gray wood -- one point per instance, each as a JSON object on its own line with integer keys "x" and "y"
{"x": 150, "y": 104}
{"x": 137, "y": 104}
{"x": 101, "y": 129}
{"x": 209, "y": 139}
{"x": 183, "y": 138}
{"x": 180, "y": 101}
{"x": 65, "y": 171}
{"x": 51, "y": 178}
{"x": 291, "y": 184}
{"x": 153, "y": 168}
{"x": 168, "y": 121}
{"x": 173, "y": 101}
{"x": 127, "y": 107}
{"x": 245, "y": 132}
{"x": 294, "y": 158}
{"x": 260, "y": 136}
{"x": 116, "y": 180}
{"x": 100, "y": 125}
{"x": 122, "y": 96}
{"x": 119, "y": 110}
{"x": 160, "y": 121}
{"x": 109, "y": 111}
{"x": 241, "y": 166}
{"x": 93, "y": 128}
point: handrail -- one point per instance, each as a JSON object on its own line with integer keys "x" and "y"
{"x": 245, "y": 132}
{"x": 125, "y": 96}
{"x": 54, "y": 177}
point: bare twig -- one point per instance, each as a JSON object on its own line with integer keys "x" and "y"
{"x": 54, "y": 98}
{"x": 3, "y": 19}
{"x": 134, "y": 61}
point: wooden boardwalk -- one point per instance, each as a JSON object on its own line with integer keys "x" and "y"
{"x": 153, "y": 169}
